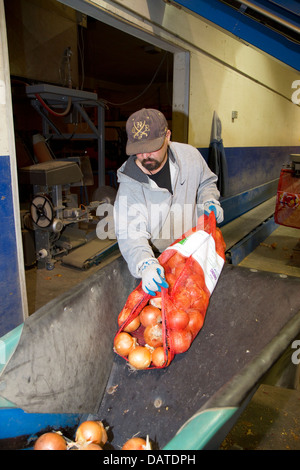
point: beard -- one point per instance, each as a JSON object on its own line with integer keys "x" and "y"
{"x": 150, "y": 164}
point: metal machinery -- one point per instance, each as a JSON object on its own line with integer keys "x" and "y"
{"x": 70, "y": 99}
{"x": 54, "y": 215}
{"x": 287, "y": 210}
{"x": 295, "y": 164}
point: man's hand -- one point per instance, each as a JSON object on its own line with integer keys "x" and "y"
{"x": 153, "y": 276}
{"x": 210, "y": 206}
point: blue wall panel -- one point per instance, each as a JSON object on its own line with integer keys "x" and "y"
{"x": 249, "y": 167}
{"x": 11, "y": 313}
{"x": 254, "y": 32}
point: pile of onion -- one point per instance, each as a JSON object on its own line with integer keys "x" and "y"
{"x": 50, "y": 441}
{"x": 90, "y": 435}
{"x": 190, "y": 299}
{"x": 184, "y": 316}
{"x": 150, "y": 350}
{"x": 137, "y": 443}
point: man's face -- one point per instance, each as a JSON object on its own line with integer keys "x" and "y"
{"x": 153, "y": 161}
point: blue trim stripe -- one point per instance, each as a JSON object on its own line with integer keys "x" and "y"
{"x": 11, "y": 313}
{"x": 249, "y": 167}
{"x": 19, "y": 430}
{"x": 253, "y": 32}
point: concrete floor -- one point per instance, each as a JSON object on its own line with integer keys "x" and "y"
{"x": 271, "y": 420}
{"x": 44, "y": 286}
{"x": 277, "y": 253}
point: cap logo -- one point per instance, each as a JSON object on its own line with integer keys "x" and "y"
{"x": 140, "y": 129}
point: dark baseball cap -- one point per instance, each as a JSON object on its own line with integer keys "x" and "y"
{"x": 146, "y": 131}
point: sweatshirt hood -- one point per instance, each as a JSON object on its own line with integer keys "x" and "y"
{"x": 129, "y": 169}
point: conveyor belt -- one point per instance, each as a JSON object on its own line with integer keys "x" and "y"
{"x": 89, "y": 254}
{"x": 64, "y": 361}
{"x": 235, "y": 231}
{"x": 247, "y": 311}
{"x": 245, "y": 233}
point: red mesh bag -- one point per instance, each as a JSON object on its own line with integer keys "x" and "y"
{"x": 287, "y": 209}
{"x": 192, "y": 267}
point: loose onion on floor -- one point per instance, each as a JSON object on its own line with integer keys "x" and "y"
{"x": 50, "y": 441}
{"x": 92, "y": 432}
{"x": 135, "y": 443}
{"x": 90, "y": 446}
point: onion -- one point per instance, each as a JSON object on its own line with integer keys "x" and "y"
{"x": 177, "y": 319}
{"x": 201, "y": 303}
{"x": 180, "y": 340}
{"x": 133, "y": 325}
{"x": 195, "y": 322}
{"x": 135, "y": 443}
{"x": 156, "y": 301}
{"x": 153, "y": 335}
{"x": 171, "y": 279}
{"x": 198, "y": 273}
{"x": 90, "y": 446}
{"x": 124, "y": 343}
{"x": 123, "y": 315}
{"x": 91, "y": 432}
{"x": 150, "y": 315}
{"x": 220, "y": 243}
{"x": 199, "y": 297}
{"x": 158, "y": 357}
{"x": 182, "y": 299}
{"x": 179, "y": 269}
{"x": 195, "y": 292}
{"x": 176, "y": 260}
{"x": 140, "y": 357}
{"x": 136, "y": 296}
{"x": 50, "y": 441}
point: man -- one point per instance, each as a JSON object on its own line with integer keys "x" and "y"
{"x": 164, "y": 187}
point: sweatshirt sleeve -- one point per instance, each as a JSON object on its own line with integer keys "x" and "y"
{"x": 131, "y": 230}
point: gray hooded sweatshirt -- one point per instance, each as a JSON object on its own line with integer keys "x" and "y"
{"x": 149, "y": 218}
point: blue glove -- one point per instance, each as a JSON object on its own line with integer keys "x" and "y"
{"x": 209, "y": 206}
{"x": 153, "y": 276}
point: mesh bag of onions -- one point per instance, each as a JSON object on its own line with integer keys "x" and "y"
{"x": 153, "y": 329}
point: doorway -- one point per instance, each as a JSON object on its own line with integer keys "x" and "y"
{"x": 127, "y": 71}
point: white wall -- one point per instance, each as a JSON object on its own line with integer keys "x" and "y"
{"x": 225, "y": 75}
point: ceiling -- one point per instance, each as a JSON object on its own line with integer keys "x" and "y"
{"x": 117, "y": 57}
{"x": 270, "y": 25}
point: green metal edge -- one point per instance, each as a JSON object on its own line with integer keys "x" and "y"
{"x": 200, "y": 429}
{"x": 8, "y": 344}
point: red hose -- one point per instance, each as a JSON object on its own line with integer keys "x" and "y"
{"x": 64, "y": 113}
